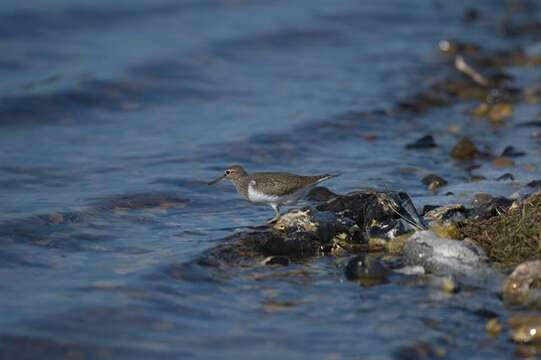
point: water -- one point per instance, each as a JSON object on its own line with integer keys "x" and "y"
{"x": 114, "y": 117}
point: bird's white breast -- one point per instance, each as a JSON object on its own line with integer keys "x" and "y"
{"x": 259, "y": 197}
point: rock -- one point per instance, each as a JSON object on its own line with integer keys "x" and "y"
{"x": 523, "y": 286}
{"x": 534, "y": 183}
{"x": 493, "y": 327}
{"x": 506, "y": 177}
{"x": 446, "y": 230}
{"x": 447, "y": 214}
{"x": 419, "y": 351}
{"x": 320, "y": 193}
{"x": 495, "y": 113}
{"x": 366, "y": 267}
{"x": 526, "y": 329}
{"x": 55, "y": 218}
{"x": 434, "y": 182}
{"x": 377, "y": 214}
{"x": 510, "y": 151}
{"x": 276, "y": 260}
{"x": 445, "y": 256}
{"x": 487, "y": 206}
{"x": 464, "y": 149}
{"x": 477, "y": 178}
{"x": 426, "y": 142}
{"x": 501, "y": 162}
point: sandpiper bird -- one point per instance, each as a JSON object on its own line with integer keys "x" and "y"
{"x": 271, "y": 188}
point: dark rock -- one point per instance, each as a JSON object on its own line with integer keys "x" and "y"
{"x": 276, "y": 260}
{"x": 510, "y": 151}
{"x": 368, "y": 209}
{"x": 487, "y": 206}
{"x": 434, "y": 182}
{"x": 428, "y": 208}
{"x": 534, "y": 183}
{"x": 320, "y": 193}
{"x": 366, "y": 267}
{"x": 298, "y": 244}
{"x": 464, "y": 149}
{"x": 506, "y": 177}
{"x": 426, "y": 142}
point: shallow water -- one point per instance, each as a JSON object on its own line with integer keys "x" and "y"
{"x": 114, "y": 117}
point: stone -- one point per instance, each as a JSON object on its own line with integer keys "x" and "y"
{"x": 526, "y": 328}
{"x": 506, "y": 177}
{"x": 464, "y": 149}
{"x": 445, "y": 256}
{"x": 366, "y": 267}
{"x": 320, "y": 193}
{"x": 523, "y": 286}
{"x": 510, "y": 151}
{"x": 426, "y": 142}
{"x": 493, "y": 327}
{"x": 434, "y": 182}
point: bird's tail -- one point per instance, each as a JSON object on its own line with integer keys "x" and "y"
{"x": 327, "y": 177}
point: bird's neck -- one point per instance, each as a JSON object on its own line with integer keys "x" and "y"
{"x": 241, "y": 184}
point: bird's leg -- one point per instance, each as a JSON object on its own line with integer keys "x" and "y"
{"x": 276, "y": 209}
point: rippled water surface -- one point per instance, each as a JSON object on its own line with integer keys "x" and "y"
{"x": 113, "y": 117}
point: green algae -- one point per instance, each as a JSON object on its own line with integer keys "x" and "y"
{"x": 511, "y": 237}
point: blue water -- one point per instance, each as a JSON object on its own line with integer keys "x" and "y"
{"x": 113, "y": 117}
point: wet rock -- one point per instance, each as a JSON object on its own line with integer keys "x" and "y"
{"x": 447, "y": 214}
{"x": 419, "y": 351}
{"x": 320, "y": 193}
{"x": 501, "y": 162}
{"x": 523, "y": 286}
{"x": 493, "y": 327}
{"x": 534, "y": 184}
{"x": 434, "y": 182}
{"x": 55, "y": 218}
{"x": 445, "y": 256}
{"x": 426, "y": 142}
{"x": 366, "y": 267}
{"x": 322, "y": 225}
{"x": 477, "y": 178}
{"x": 464, "y": 149}
{"x": 487, "y": 206}
{"x": 506, "y": 177}
{"x": 382, "y": 214}
{"x": 297, "y": 244}
{"x": 495, "y": 113}
{"x": 510, "y": 151}
{"x": 276, "y": 260}
{"x": 526, "y": 328}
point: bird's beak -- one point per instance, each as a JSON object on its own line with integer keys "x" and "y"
{"x": 216, "y": 180}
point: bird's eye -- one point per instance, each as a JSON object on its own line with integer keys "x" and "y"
{"x": 227, "y": 172}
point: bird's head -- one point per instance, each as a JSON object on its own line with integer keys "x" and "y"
{"x": 232, "y": 173}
